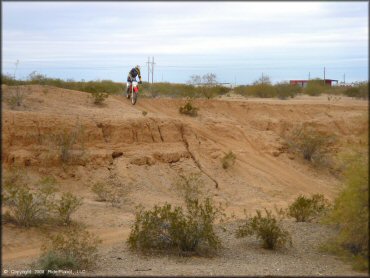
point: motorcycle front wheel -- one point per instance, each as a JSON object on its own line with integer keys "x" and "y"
{"x": 133, "y": 98}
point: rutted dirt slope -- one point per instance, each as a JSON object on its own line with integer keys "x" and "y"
{"x": 156, "y": 148}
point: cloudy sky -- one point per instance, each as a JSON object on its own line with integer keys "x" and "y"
{"x": 238, "y": 41}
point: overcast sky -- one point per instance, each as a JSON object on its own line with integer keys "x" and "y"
{"x": 238, "y": 41}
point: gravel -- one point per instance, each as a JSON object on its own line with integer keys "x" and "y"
{"x": 238, "y": 257}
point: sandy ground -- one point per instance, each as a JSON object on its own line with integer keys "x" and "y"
{"x": 160, "y": 146}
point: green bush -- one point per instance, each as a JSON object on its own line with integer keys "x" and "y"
{"x": 315, "y": 87}
{"x": 189, "y": 109}
{"x": 166, "y": 228}
{"x": 351, "y": 213}
{"x": 268, "y": 229}
{"x": 187, "y": 231}
{"x": 286, "y": 90}
{"x": 99, "y": 97}
{"x": 27, "y": 207}
{"x": 359, "y": 91}
{"x": 228, "y": 160}
{"x": 304, "y": 209}
{"x": 67, "y": 205}
{"x": 74, "y": 248}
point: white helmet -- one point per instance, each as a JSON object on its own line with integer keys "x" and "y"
{"x": 137, "y": 67}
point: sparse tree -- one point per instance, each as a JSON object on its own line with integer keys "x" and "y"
{"x": 264, "y": 79}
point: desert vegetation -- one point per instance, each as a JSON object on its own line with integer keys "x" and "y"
{"x": 267, "y": 229}
{"x": 99, "y": 97}
{"x": 189, "y": 109}
{"x": 350, "y": 214}
{"x": 310, "y": 143}
{"x": 28, "y": 206}
{"x": 73, "y": 248}
{"x": 186, "y": 231}
{"x": 228, "y": 160}
{"x": 199, "y": 86}
{"x": 306, "y": 208}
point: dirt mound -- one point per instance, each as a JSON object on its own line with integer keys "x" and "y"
{"x": 147, "y": 153}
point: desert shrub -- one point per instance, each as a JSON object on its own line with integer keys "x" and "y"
{"x": 190, "y": 186}
{"x": 101, "y": 190}
{"x": 312, "y": 144}
{"x": 304, "y": 209}
{"x": 167, "y": 228}
{"x": 112, "y": 191}
{"x": 27, "y": 208}
{"x": 189, "y": 109}
{"x": 359, "y": 91}
{"x": 266, "y": 228}
{"x": 67, "y": 205}
{"x": 12, "y": 180}
{"x": 286, "y": 90}
{"x": 144, "y": 113}
{"x": 351, "y": 213}
{"x": 186, "y": 230}
{"x": 264, "y": 91}
{"x": 228, "y": 160}
{"x": 99, "y": 97}
{"x": 315, "y": 87}
{"x": 53, "y": 261}
{"x": 74, "y": 248}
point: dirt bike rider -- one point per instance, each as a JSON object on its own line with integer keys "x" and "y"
{"x": 132, "y": 77}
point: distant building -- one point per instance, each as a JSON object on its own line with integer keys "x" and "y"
{"x": 303, "y": 83}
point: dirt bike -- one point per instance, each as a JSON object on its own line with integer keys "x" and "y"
{"x": 133, "y": 92}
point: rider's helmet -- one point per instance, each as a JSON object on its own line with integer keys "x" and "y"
{"x": 137, "y": 67}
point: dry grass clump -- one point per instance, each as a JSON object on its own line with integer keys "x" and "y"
{"x": 189, "y": 109}
{"x": 66, "y": 141}
{"x": 111, "y": 191}
{"x": 15, "y": 98}
{"x": 99, "y": 97}
{"x": 311, "y": 144}
{"x": 228, "y": 160}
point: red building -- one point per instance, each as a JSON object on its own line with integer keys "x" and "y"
{"x": 303, "y": 83}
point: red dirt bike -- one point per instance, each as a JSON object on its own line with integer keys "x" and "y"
{"x": 133, "y": 92}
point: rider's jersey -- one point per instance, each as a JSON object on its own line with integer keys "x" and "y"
{"x": 133, "y": 73}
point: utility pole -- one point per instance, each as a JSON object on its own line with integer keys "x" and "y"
{"x": 309, "y": 75}
{"x": 16, "y": 67}
{"x": 324, "y": 75}
{"x": 344, "y": 78}
{"x": 152, "y": 68}
{"x": 148, "y": 67}
{"x": 262, "y": 78}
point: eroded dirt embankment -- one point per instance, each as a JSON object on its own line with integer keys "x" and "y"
{"x": 147, "y": 154}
